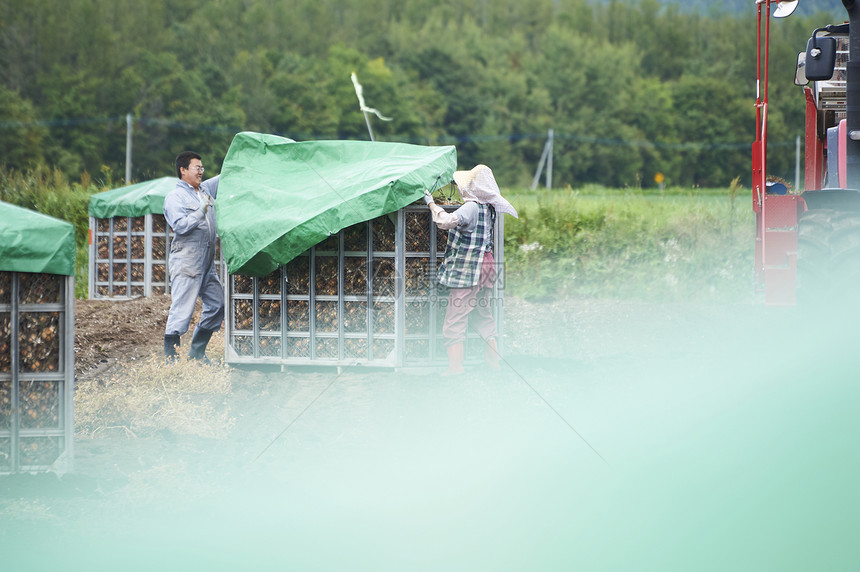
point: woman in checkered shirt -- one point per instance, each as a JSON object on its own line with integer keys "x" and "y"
{"x": 468, "y": 268}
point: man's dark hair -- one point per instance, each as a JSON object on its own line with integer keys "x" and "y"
{"x": 183, "y": 160}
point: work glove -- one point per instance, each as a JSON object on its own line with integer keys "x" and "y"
{"x": 428, "y": 198}
{"x": 204, "y": 201}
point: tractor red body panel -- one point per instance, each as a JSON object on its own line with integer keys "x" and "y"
{"x": 779, "y": 248}
{"x": 813, "y": 145}
{"x": 777, "y": 216}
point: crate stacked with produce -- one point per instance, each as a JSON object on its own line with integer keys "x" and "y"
{"x": 367, "y": 294}
{"x": 36, "y": 344}
{"x": 130, "y": 241}
{"x": 129, "y": 256}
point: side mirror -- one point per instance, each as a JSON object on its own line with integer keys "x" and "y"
{"x": 800, "y": 72}
{"x": 820, "y": 58}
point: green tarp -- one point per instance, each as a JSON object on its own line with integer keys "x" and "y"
{"x": 277, "y": 197}
{"x": 33, "y": 242}
{"x": 134, "y": 200}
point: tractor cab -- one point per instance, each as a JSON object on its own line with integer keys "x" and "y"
{"x": 808, "y": 244}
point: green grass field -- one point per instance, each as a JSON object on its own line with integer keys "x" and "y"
{"x": 674, "y": 244}
{"x": 678, "y": 244}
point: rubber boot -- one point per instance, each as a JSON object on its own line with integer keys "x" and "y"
{"x": 198, "y": 344}
{"x": 170, "y": 343}
{"x": 491, "y": 354}
{"x": 455, "y": 359}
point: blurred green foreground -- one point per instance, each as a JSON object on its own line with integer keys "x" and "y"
{"x": 618, "y": 436}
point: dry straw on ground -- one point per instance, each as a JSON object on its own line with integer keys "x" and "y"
{"x": 141, "y": 397}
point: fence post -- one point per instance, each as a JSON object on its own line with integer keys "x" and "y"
{"x": 545, "y": 158}
{"x": 128, "y": 124}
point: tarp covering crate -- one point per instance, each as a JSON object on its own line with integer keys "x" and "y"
{"x": 130, "y": 241}
{"x": 328, "y": 262}
{"x": 277, "y": 197}
{"x": 366, "y": 295}
{"x": 37, "y": 267}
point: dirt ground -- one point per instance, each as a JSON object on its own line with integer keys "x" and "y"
{"x": 108, "y": 332}
{"x": 619, "y": 435}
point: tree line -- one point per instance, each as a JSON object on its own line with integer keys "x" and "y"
{"x": 629, "y": 88}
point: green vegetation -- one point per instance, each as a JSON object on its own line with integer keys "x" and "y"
{"x": 629, "y": 88}
{"x": 672, "y": 245}
{"x": 49, "y": 192}
{"x": 595, "y": 241}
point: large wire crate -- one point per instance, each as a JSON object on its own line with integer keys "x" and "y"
{"x": 36, "y": 372}
{"x": 129, "y": 256}
{"x": 366, "y": 295}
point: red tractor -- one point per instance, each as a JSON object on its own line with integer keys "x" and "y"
{"x": 808, "y": 244}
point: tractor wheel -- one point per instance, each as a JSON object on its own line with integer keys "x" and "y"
{"x": 813, "y": 256}
{"x": 828, "y": 258}
{"x": 845, "y": 255}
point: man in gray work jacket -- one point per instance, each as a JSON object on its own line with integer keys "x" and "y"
{"x": 190, "y": 211}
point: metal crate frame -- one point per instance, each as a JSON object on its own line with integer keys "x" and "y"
{"x": 124, "y": 235}
{"x": 260, "y": 310}
{"x": 20, "y": 426}
{"x": 155, "y": 227}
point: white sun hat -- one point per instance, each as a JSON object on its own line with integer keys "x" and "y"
{"x": 480, "y": 185}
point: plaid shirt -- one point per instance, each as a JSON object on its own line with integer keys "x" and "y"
{"x": 461, "y": 267}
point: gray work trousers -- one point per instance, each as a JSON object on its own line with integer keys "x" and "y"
{"x": 193, "y": 275}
